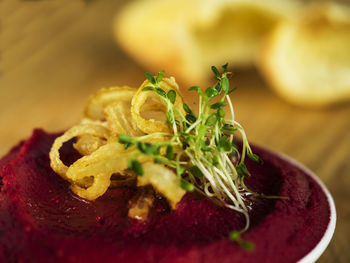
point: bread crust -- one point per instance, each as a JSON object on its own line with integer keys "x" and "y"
{"x": 187, "y": 37}
{"x": 306, "y": 60}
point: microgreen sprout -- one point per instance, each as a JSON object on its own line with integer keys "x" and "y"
{"x": 200, "y": 145}
{"x": 236, "y": 237}
{"x": 136, "y": 166}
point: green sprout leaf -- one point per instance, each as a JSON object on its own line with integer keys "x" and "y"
{"x": 211, "y": 120}
{"x": 218, "y": 87}
{"x": 180, "y": 170}
{"x": 186, "y": 108}
{"x": 248, "y": 246}
{"x": 211, "y": 92}
{"x": 225, "y": 144}
{"x": 195, "y": 171}
{"x": 169, "y": 118}
{"x": 147, "y": 148}
{"x": 234, "y": 235}
{"x": 218, "y": 105}
{"x": 135, "y": 166}
{"x": 160, "y": 92}
{"x": 157, "y": 159}
{"x": 196, "y": 89}
{"x": 225, "y": 85}
{"x": 224, "y": 67}
{"x": 242, "y": 171}
{"x": 160, "y": 76}
{"x": 152, "y": 149}
{"x": 147, "y": 88}
{"x": 170, "y": 152}
{"x": 229, "y": 129}
{"x": 172, "y": 96}
{"x": 124, "y": 139}
{"x": 141, "y": 146}
{"x": 216, "y": 71}
{"x": 202, "y": 131}
{"x": 215, "y": 160}
{"x": 221, "y": 113}
{"x": 128, "y": 145}
{"x": 231, "y": 90}
{"x": 187, "y": 185}
{"x": 190, "y": 118}
{"x": 254, "y": 158}
{"x": 205, "y": 147}
{"x": 150, "y": 77}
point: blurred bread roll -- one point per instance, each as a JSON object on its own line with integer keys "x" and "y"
{"x": 307, "y": 59}
{"x": 186, "y": 37}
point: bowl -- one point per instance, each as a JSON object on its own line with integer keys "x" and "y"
{"x": 321, "y": 246}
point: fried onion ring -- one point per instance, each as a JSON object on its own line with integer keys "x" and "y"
{"x": 120, "y": 121}
{"x": 101, "y": 164}
{"x": 138, "y": 100}
{"x": 98, "y": 101}
{"x": 163, "y": 180}
{"x": 56, "y": 164}
{"x": 87, "y": 144}
{"x": 104, "y": 161}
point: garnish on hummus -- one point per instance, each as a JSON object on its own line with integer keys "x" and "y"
{"x": 42, "y": 220}
{"x": 187, "y": 151}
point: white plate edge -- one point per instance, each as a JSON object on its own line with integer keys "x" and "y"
{"x": 321, "y": 246}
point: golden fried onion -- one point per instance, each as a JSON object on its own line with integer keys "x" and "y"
{"x": 87, "y": 144}
{"x": 163, "y": 180}
{"x": 56, "y": 164}
{"x": 141, "y": 205}
{"x": 108, "y": 113}
{"x": 120, "y": 121}
{"x": 101, "y": 164}
{"x": 98, "y": 101}
{"x": 151, "y": 125}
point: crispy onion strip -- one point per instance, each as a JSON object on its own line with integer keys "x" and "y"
{"x": 99, "y": 187}
{"x": 163, "y": 180}
{"x": 120, "y": 121}
{"x": 141, "y": 205}
{"x": 101, "y": 164}
{"x": 87, "y": 144}
{"x": 57, "y": 165}
{"x": 108, "y": 114}
{"x": 139, "y": 99}
{"x": 98, "y": 101}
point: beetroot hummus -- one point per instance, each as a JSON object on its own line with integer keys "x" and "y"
{"x": 42, "y": 221}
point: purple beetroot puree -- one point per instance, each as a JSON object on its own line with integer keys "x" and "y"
{"x": 42, "y": 221}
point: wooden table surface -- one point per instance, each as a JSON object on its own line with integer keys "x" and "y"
{"x": 55, "y": 53}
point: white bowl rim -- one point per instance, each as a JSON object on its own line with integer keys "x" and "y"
{"x": 321, "y": 246}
